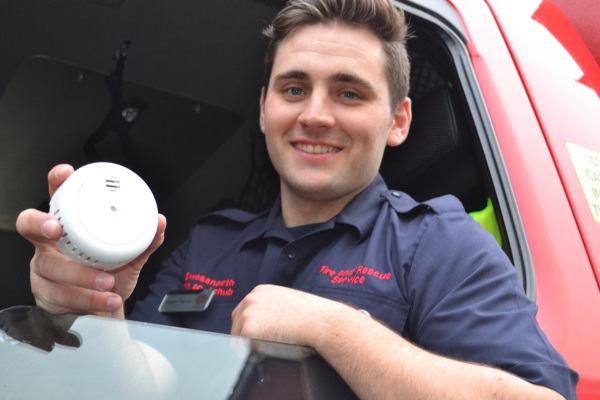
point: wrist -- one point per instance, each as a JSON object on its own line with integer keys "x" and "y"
{"x": 335, "y": 323}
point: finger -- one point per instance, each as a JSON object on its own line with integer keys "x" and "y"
{"x": 57, "y": 176}
{"x": 236, "y": 329}
{"x": 53, "y": 266}
{"x": 38, "y": 227}
{"x": 241, "y": 316}
{"x": 236, "y": 324}
{"x": 158, "y": 240}
{"x": 60, "y": 285}
{"x": 127, "y": 276}
{"x": 234, "y": 314}
{"x": 59, "y": 298}
{"x": 159, "y": 237}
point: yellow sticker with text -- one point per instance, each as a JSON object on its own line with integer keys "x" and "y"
{"x": 587, "y": 167}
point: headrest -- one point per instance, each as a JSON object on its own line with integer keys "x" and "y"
{"x": 433, "y": 134}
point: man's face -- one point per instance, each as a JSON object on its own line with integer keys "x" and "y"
{"x": 326, "y": 114}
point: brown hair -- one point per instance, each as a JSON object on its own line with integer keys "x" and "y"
{"x": 379, "y": 16}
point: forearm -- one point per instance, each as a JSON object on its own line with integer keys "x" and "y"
{"x": 379, "y": 364}
{"x": 374, "y": 360}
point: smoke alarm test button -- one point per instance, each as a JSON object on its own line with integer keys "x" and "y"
{"x": 108, "y": 215}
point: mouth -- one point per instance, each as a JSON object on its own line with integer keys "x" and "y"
{"x": 316, "y": 149}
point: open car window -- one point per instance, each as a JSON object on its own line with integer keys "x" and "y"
{"x": 89, "y": 357}
{"x": 170, "y": 90}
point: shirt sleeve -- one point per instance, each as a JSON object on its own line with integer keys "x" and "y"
{"x": 170, "y": 277}
{"x": 468, "y": 304}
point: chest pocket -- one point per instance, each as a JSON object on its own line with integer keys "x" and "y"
{"x": 393, "y": 313}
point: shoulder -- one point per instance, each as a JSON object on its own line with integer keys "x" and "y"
{"x": 403, "y": 203}
{"x": 439, "y": 228}
{"x": 422, "y": 216}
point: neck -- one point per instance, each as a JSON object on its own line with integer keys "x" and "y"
{"x": 300, "y": 210}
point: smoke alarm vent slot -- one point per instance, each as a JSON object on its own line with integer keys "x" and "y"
{"x": 113, "y": 184}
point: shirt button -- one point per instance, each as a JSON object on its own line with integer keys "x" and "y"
{"x": 291, "y": 254}
{"x": 396, "y": 194}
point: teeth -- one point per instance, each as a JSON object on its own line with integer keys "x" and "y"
{"x": 317, "y": 149}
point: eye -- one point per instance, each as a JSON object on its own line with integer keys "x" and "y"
{"x": 294, "y": 91}
{"x": 349, "y": 95}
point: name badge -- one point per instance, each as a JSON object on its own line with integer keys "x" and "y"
{"x": 186, "y": 301}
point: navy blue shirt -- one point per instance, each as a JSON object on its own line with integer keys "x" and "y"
{"x": 427, "y": 270}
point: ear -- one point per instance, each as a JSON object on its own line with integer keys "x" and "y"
{"x": 400, "y": 123}
{"x": 263, "y": 93}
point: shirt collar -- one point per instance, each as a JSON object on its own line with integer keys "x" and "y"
{"x": 361, "y": 213}
{"x": 363, "y": 210}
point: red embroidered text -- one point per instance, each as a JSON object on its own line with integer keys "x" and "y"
{"x": 354, "y": 276}
{"x": 224, "y": 287}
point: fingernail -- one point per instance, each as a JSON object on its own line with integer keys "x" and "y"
{"x": 49, "y": 228}
{"x": 113, "y": 303}
{"x": 104, "y": 282}
{"x": 58, "y": 171}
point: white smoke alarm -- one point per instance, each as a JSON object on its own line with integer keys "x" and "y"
{"x": 108, "y": 215}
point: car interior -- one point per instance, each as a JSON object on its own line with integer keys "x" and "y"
{"x": 170, "y": 90}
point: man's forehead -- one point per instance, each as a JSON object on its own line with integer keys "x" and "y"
{"x": 343, "y": 53}
{"x": 333, "y": 37}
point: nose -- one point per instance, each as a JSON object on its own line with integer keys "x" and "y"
{"x": 317, "y": 111}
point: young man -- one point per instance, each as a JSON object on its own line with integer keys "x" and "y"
{"x": 455, "y": 323}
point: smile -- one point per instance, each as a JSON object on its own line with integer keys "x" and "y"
{"x": 316, "y": 149}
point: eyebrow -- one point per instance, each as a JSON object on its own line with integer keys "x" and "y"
{"x": 353, "y": 79}
{"x": 292, "y": 74}
{"x": 339, "y": 77}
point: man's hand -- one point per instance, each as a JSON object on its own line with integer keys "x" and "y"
{"x": 282, "y": 314}
{"x": 59, "y": 284}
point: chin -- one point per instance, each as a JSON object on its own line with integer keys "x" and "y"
{"x": 323, "y": 191}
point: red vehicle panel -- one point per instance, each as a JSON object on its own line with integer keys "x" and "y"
{"x": 540, "y": 83}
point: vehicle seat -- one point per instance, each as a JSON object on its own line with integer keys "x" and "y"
{"x": 439, "y": 156}
{"x": 14, "y": 270}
